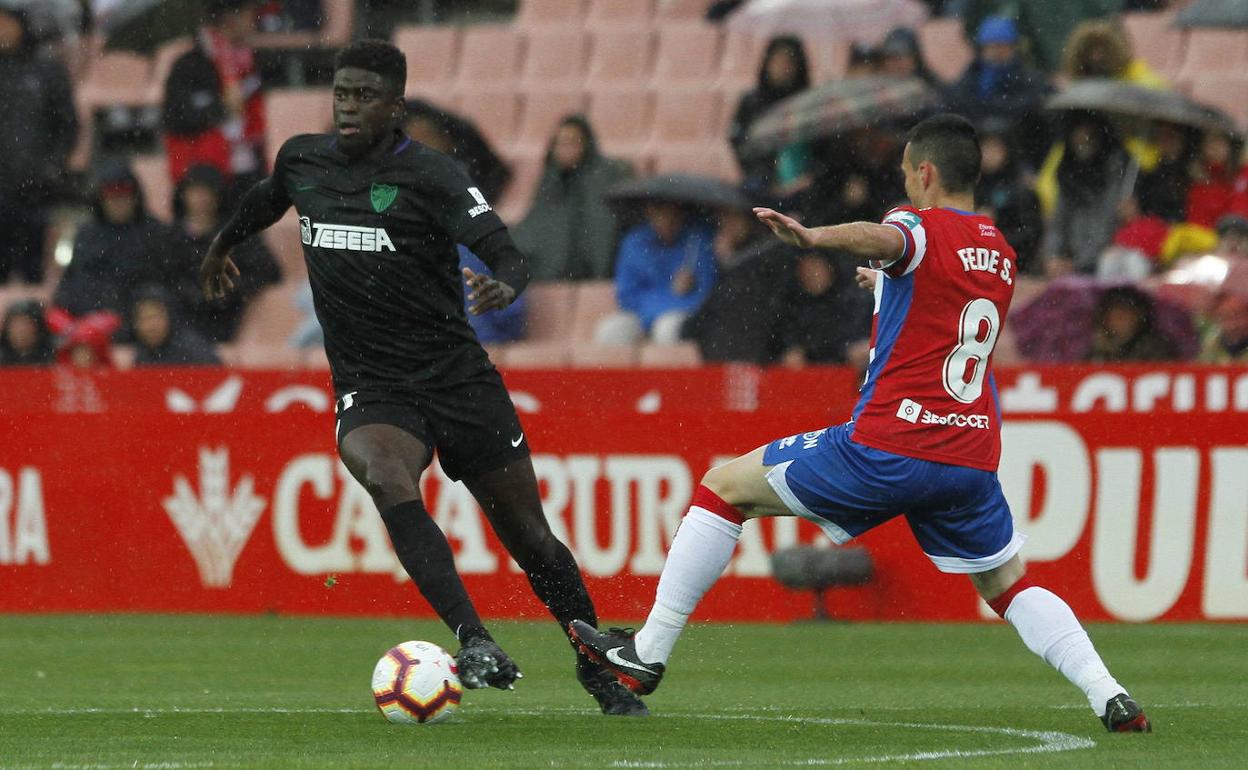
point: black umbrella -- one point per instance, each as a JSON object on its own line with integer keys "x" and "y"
{"x": 1214, "y": 13}
{"x": 1132, "y": 101}
{"x": 688, "y": 189}
{"x": 142, "y": 25}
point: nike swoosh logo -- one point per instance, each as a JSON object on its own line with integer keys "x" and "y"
{"x": 613, "y": 655}
{"x": 516, "y": 441}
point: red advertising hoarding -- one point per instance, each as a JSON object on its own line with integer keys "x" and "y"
{"x": 211, "y": 490}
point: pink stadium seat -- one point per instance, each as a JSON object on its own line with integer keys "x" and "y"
{"x": 117, "y": 77}
{"x": 538, "y": 13}
{"x": 1155, "y": 40}
{"x": 271, "y": 317}
{"x": 431, "y": 52}
{"x": 686, "y": 116}
{"x": 494, "y": 111}
{"x": 595, "y": 300}
{"x": 282, "y": 238}
{"x": 123, "y": 356}
{"x": 153, "y": 174}
{"x": 535, "y": 355}
{"x": 687, "y": 53}
{"x": 1229, "y": 94}
{"x": 1214, "y": 52}
{"x": 714, "y": 158}
{"x": 591, "y": 356}
{"x": 620, "y": 56}
{"x": 828, "y": 59}
{"x": 260, "y": 355}
{"x": 620, "y": 13}
{"x": 543, "y": 110}
{"x": 290, "y": 112}
{"x": 682, "y": 9}
{"x": 315, "y": 358}
{"x": 489, "y": 56}
{"x": 741, "y": 60}
{"x": 621, "y": 119}
{"x": 526, "y": 172}
{"x": 682, "y": 355}
{"x": 550, "y": 308}
{"x": 556, "y": 59}
{"x": 945, "y": 48}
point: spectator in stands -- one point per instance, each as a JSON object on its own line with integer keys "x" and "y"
{"x": 571, "y": 230}
{"x": 1125, "y": 329}
{"x": 826, "y": 317}
{"x": 123, "y": 247}
{"x": 1099, "y": 48}
{"x": 25, "y": 339}
{"x": 86, "y": 343}
{"x": 38, "y": 129}
{"x": 456, "y": 136}
{"x": 1162, "y": 192}
{"x": 1233, "y": 236}
{"x": 1094, "y": 177}
{"x": 998, "y": 84}
{"x": 213, "y": 109}
{"x": 1004, "y": 195}
{"x": 664, "y": 271}
{"x": 197, "y": 211}
{"x": 1219, "y": 181}
{"x": 160, "y": 336}
{"x": 901, "y": 56}
{"x": 1224, "y": 336}
{"x": 783, "y": 73}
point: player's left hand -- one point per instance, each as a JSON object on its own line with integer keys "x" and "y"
{"x": 487, "y": 293}
{"x": 866, "y": 277}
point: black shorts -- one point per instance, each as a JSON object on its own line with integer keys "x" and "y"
{"x": 472, "y": 424}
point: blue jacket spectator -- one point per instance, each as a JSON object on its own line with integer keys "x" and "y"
{"x": 506, "y": 325}
{"x": 665, "y": 270}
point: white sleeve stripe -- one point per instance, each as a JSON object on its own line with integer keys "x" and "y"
{"x": 920, "y": 248}
{"x": 906, "y": 240}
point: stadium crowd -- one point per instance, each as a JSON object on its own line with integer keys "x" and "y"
{"x": 1132, "y": 235}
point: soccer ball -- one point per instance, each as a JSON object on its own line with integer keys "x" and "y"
{"x": 417, "y": 683}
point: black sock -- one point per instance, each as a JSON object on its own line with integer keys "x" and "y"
{"x": 423, "y": 551}
{"x": 557, "y": 582}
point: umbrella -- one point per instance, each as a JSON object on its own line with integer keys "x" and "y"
{"x": 1133, "y": 101}
{"x": 866, "y": 20}
{"x": 1214, "y": 13}
{"x": 142, "y": 25}
{"x": 689, "y": 189}
{"x": 836, "y": 107}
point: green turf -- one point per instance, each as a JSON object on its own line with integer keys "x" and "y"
{"x": 264, "y": 692}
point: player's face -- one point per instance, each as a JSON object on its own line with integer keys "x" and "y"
{"x": 365, "y": 112}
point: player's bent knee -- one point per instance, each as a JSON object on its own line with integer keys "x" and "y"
{"x": 388, "y": 482}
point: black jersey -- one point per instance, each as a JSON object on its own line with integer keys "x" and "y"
{"x": 379, "y": 239}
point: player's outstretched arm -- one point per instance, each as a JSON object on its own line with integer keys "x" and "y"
{"x": 865, "y": 240}
{"x": 263, "y": 205}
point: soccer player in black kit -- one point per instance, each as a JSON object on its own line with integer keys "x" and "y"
{"x": 379, "y": 217}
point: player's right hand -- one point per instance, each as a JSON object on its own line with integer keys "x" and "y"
{"x": 786, "y": 228}
{"x": 218, "y": 271}
{"x": 866, "y": 277}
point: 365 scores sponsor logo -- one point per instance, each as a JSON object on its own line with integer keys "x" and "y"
{"x": 913, "y": 412}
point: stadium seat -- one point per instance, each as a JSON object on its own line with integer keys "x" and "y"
{"x": 682, "y": 355}
{"x": 271, "y": 316}
{"x": 741, "y": 60}
{"x": 1214, "y": 52}
{"x": 682, "y": 9}
{"x": 495, "y": 112}
{"x": 550, "y": 309}
{"x": 1155, "y": 40}
{"x": 282, "y": 238}
{"x": 590, "y": 356}
{"x": 489, "y": 56}
{"x": 257, "y": 355}
{"x": 827, "y": 58}
{"x": 294, "y": 111}
{"x": 686, "y": 116}
{"x": 117, "y": 77}
{"x": 687, "y": 54}
{"x": 526, "y": 172}
{"x": 620, "y": 13}
{"x": 153, "y": 174}
{"x": 543, "y": 110}
{"x": 620, "y": 57}
{"x": 534, "y": 355}
{"x": 595, "y": 300}
{"x": 712, "y": 158}
{"x": 621, "y": 119}
{"x": 335, "y": 32}
{"x": 1229, "y": 94}
{"x": 123, "y": 356}
{"x": 945, "y": 48}
{"x": 431, "y": 52}
{"x": 314, "y": 358}
{"x": 539, "y": 13}
{"x": 555, "y": 59}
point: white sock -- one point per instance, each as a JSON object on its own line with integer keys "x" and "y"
{"x": 701, "y": 550}
{"x": 1050, "y": 629}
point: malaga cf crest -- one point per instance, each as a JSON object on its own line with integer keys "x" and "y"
{"x": 383, "y": 195}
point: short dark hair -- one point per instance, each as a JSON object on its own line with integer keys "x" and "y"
{"x": 379, "y": 57}
{"x": 949, "y": 143}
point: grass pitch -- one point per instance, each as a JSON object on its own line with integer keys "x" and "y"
{"x": 175, "y": 692}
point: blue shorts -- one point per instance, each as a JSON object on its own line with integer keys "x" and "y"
{"x": 959, "y": 515}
